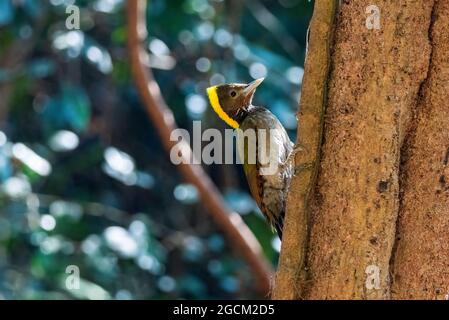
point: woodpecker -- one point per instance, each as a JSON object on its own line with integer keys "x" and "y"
{"x": 233, "y": 104}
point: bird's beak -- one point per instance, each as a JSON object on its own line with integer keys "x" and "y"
{"x": 251, "y": 87}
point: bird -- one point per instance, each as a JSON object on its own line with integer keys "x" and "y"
{"x": 233, "y": 104}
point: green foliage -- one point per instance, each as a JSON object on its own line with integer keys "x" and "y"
{"x": 69, "y": 109}
{"x": 84, "y": 179}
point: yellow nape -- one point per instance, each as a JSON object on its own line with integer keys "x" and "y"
{"x": 213, "y": 98}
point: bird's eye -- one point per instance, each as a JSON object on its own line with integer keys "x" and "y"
{"x": 233, "y": 93}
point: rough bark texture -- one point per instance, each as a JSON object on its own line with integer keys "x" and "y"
{"x": 373, "y": 89}
{"x": 421, "y": 264}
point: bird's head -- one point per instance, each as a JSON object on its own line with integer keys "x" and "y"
{"x": 233, "y": 100}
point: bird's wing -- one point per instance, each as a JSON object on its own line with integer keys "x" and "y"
{"x": 267, "y": 190}
{"x": 255, "y": 182}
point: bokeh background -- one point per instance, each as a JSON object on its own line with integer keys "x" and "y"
{"x": 84, "y": 178}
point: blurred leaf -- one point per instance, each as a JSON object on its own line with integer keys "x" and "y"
{"x": 193, "y": 287}
{"x": 71, "y": 97}
{"x": 40, "y": 68}
{"x": 263, "y": 233}
{"x": 119, "y": 35}
{"x": 5, "y": 74}
{"x": 71, "y": 107}
{"x": 33, "y": 8}
{"x": 5, "y": 166}
{"x": 76, "y": 107}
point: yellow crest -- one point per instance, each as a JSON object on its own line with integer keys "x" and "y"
{"x": 213, "y": 98}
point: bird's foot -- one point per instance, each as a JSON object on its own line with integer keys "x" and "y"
{"x": 296, "y": 149}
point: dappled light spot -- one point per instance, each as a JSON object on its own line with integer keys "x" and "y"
{"x": 119, "y": 240}
{"x": 91, "y": 291}
{"x": 205, "y": 31}
{"x": 199, "y": 5}
{"x": 186, "y": 193}
{"x": 276, "y": 243}
{"x": 107, "y": 6}
{"x": 149, "y": 263}
{"x": 64, "y": 140}
{"x": 295, "y": 74}
{"x": 47, "y": 222}
{"x": 217, "y": 79}
{"x": 25, "y": 32}
{"x": 3, "y": 139}
{"x": 158, "y": 47}
{"x": 241, "y": 52}
{"x": 223, "y": 38}
{"x": 138, "y": 229}
{"x": 145, "y": 180}
{"x": 203, "y": 64}
{"x": 193, "y": 248}
{"x": 31, "y": 159}
{"x": 60, "y": 2}
{"x": 100, "y": 58}
{"x": 230, "y": 284}
{"x": 50, "y": 244}
{"x": 73, "y": 40}
{"x": 120, "y": 165}
{"x": 123, "y": 294}
{"x": 61, "y": 208}
{"x": 241, "y": 202}
{"x": 166, "y": 283}
{"x": 91, "y": 244}
{"x": 196, "y": 105}
{"x": 208, "y": 13}
{"x": 186, "y": 37}
{"x": 216, "y": 243}
{"x": 257, "y": 70}
{"x": 215, "y": 267}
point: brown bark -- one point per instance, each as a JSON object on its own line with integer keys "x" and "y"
{"x": 421, "y": 264}
{"x": 290, "y": 274}
{"x": 374, "y": 88}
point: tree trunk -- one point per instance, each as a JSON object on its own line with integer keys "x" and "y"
{"x": 383, "y": 168}
{"x": 421, "y": 264}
